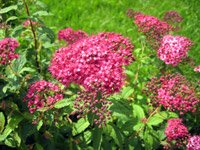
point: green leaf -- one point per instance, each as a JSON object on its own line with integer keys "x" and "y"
{"x": 2, "y": 121}
{"x": 19, "y": 63}
{"x": 127, "y": 91}
{"x": 62, "y": 103}
{"x": 87, "y": 136}
{"x": 7, "y": 9}
{"x": 42, "y": 13}
{"x": 155, "y": 120}
{"x": 39, "y": 125}
{"x": 138, "y": 112}
{"x": 27, "y": 69}
{"x": 80, "y": 126}
{"x": 97, "y": 138}
{"x": 11, "y": 18}
{"x": 117, "y": 136}
{"x": 12, "y": 124}
{"x": 38, "y": 147}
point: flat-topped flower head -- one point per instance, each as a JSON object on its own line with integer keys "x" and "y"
{"x": 94, "y": 62}
{"x": 173, "y": 92}
{"x": 176, "y": 131}
{"x": 153, "y": 28}
{"x": 42, "y": 94}
{"x": 173, "y": 49}
{"x": 7, "y": 50}
{"x": 194, "y": 143}
{"x": 71, "y": 36}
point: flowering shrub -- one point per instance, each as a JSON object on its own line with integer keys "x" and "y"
{"x": 173, "y": 92}
{"x": 7, "y": 50}
{"x": 42, "y": 94}
{"x": 173, "y": 49}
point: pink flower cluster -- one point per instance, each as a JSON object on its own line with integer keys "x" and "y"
{"x": 194, "y": 143}
{"x": 176, "y": 131}
{"x": 153, "y": 28}
{"x": 173, "y": 92}
{"x": 7, "y": 50}
{"x": 88, "y": 102}
{"x": 172, "y": 16}
{"x": 94, "y": 62}
{"x": 71, "y": 36}
{"x": 173, "y": 49}
{"x": 27, "y": 23}
{"x": 197, "y": 69}
{"x": 42, "y": 94}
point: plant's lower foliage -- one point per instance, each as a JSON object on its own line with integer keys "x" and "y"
{"x": 173, "y": 92}
{"x": 95, "y": 104}
{"x": 194, "y": 143}
{"x": 7, "y": 50}
{"x": 176, "y": 132}
{"x": 42, "y": 94}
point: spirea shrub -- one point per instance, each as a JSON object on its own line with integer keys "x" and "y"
{"x": 194, "y": 143}
{"x": 173, "y": 49}
{"x": 7, "y": 50}
{"x": 42, "y": 94}
{"x": 176, "y": 132}
{"x": 173, "y": 92}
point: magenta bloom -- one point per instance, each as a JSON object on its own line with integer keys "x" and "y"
{"x": 176, "y": 131}
{"x": 42, "y": 94}
{"x": 27, "y": 23}
{"x": 194, "y": 143}
{"x": 153, "y": 28}
{"x": 7, "y": 50}
{"x": 94, "y": 62}
{"x": 173, "y": 49}
{"x": 71, "y": 36}
{"x": 197, "y": 69}
{"x": 173, "y": 92}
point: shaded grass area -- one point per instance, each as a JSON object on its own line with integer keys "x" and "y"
{"x": 95, "y": 16}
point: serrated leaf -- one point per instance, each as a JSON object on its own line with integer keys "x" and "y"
{"x": 155, "y": 120}
{"x": 138, "y": 111}
{"x": 11, "y": 18}
{"x": 62, "y": 103}
{"x": 7, "y": 9}
{"x": 127, "y": 91}
{"x": 12, "y": 124}
{"x": 97, "y": 138}
{"x": 87, "y": 136}
{"x": 80, "y": 126}
{"x": 42, "y": 13}
{"x": 19, "y": 63}
{"x": 117, "y": 136}
{"x": 2, "y": 121}
{"x": 39, "y": 125}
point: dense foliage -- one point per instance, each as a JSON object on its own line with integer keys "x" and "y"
{"x": 65, "y": 88}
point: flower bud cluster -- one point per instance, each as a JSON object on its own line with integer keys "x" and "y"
{"x": 172, "y": 16}
{"x": 173, "y": 49}
{"x": 93, "y": 103}
{"x": 42, "y": 94}
{"x": 71, "y": 36}
{"x": 173, "y": 92}
{"x": 27, "y": 23}
{"x": 7, "y": 50}
{"x": 176, "y": 132}
{"x": 153, "y": 28}
{"x": 194, "y": 143}
{"x": 197, "y": 69}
